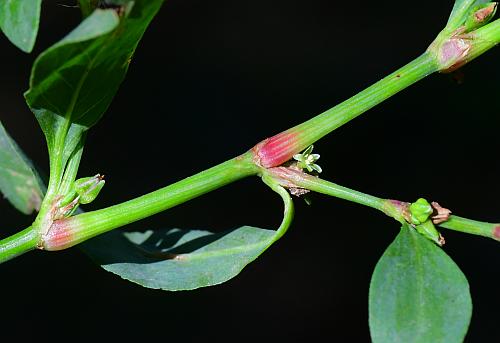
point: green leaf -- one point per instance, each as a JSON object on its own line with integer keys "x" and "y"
{"x": 19, "y": 182}
{"x": 19, "y": 21}
{"x": 175, "y": 259}
{"x": 418, "y": 294}
{"x": 73, "y": 82}
{"x": 178, "y": 259}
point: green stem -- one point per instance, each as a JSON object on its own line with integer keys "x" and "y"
{"x": 301, "y": 136}
{"x": 289, "y": 210}
{"x": 56, "y": 151}
{"x": 292, "y": 178}
{"x": 18, "y": 244}
{"x": 445, "y": 54}
{"x": 337, "y": 116}
{"x": 472, "y": 227}
{"x": 57, "y": 160}
{"x": 485, "y": 38}
{"x": 269, "y": 153}
{"x": 72, "y": 166}
{"x": 70, "y": 231}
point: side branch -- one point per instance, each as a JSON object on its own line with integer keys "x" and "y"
{"x": 473, "y": 227}
{"x": 292, "y": 178}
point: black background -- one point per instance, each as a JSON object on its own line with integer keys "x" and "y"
{"x": 209, "y": 80}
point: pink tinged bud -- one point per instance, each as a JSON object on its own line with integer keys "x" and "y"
{"x": 485, "y": 14}
{"x": 275, "y": 151}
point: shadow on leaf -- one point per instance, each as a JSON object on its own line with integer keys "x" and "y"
{"x": 175, "y": 259}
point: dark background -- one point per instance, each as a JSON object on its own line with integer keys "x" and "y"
{"x": 209, "y": 80}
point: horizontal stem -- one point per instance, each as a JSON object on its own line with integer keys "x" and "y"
{"x": 67, "y": 232}
{"x": 473, "y": 227}
{"x": 329, "y": 188}
{"x": 293, "y": 178}
{"x": 18, "y": 244}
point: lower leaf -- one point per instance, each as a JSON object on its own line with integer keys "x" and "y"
{"x": 418, "y": 294}
{"x": 19, "y": 21}
{"x": 174, "y": 259}
{"x": 19, "y": 181}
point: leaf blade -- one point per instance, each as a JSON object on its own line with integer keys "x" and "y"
{"x": 73, "y": 82}
{"x": 19, "y": 182}
{"x": 19, "y": 20}
{"x": 222, "y": 258}
{"x": 418, "y": 294}
{"x": 176, "y": 259}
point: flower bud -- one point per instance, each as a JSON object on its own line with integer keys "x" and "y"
{"x": 480, "y": 15}
{"x": 88, "y": 188}
{"x": 420, "y": 211}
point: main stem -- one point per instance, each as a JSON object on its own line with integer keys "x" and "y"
{"x": 269, "y": 153}
{"x": 70, "y": 231}
{"x": 337, "y": 116}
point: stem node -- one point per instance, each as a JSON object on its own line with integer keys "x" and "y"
{"x": 275, "y": 151}
{"x": 496, "y": 232}
{"x": 58, "y": 237}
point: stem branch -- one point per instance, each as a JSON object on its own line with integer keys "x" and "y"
{"x": 291, "y": 178}
{"x": 485, "y": 38}
{"x": 472, "y": 227}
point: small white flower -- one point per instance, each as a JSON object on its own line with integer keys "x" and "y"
{"x": 306, "y": 160}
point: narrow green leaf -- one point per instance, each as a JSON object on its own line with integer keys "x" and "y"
{"x": 175, "y": 259}
{"x": 73, "y": 82}
{"x": 19, "y": 182}
{"x": 418, "y": 294}
{"x": 19, "y": 21}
